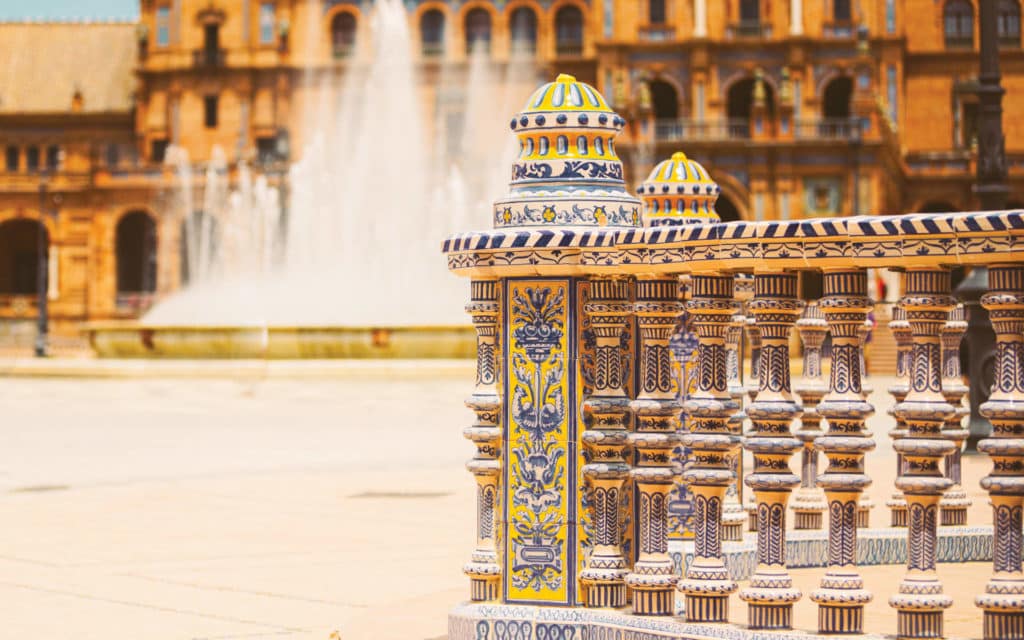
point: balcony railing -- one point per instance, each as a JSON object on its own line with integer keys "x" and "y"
{"x": 209, "y": 57}
{"x": 657, "y": 32}
{"x": 749, "y": 29}
{"x": 572, "y": 49}
{"x": 840, "y": 29}
{"x": 820, "y": 129}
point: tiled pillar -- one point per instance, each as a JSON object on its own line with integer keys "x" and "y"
{"x": 809, "y": 501}
{"x": 1003, "y": 600}
{"x": 734, "y": 517}
{"x": 920, "y": 602}
{"x": 483, "y": 569}
{"x": 771, "y": 594}
{"x": 707, "y": 585}
{"x": 864, "y": 504}
{"x": 901, "y": 333}
{"x": 606, "y": 413}
{"x": 753, "y": 334}
{"x": 954, "y": 503}
{"x": 657, "y": 422}
{"x": 841, "y": 597}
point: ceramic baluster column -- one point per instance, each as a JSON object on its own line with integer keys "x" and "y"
{"x": 707, "y": 585}
{"x": 1003, "y": 600}
{"x": 657, "y": 422}
{"x": 753, "y": 333}
{"x": 771, "y": 594}
{"x": 809, "y": 500}
{"x": 954, "y": 503}
{"x": 841, "y": 596}
{"x": 733, "y": 514}
{"x": 901, "y": 333}
{"x": 920, "y": 602}
{"x": 865, "y": 503}
{"x": 483, "y": 569}
{"x": 606, "y": 438}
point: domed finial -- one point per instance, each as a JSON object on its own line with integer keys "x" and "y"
{"x": 678, "y": 191}
{"x": 565, "y": 77}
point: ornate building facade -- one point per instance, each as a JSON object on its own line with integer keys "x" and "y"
{"x": 801, "y": 108}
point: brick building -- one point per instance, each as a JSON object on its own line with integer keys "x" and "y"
{"x": 797, "y": 107}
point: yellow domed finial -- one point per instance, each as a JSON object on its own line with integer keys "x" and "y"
{"x": 679, "y": 191}
{"x": 567, "y": 93}
{"x": 565, "y": 77}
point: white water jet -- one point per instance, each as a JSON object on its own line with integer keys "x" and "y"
{"x": 370, "y": 200}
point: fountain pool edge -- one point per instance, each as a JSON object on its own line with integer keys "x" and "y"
{"x": 135, "y": 340}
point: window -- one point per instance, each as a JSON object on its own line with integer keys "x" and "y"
{"x": 266, "y": 150}
{"x": 1008, "y": 23}
{"x": 750, "y": 10}
{"x": 842, "y": 11}
{"x": 958, "y": 21}
{"x": 163, "y": 26}
{"x": 966, "y": 122}
{"x": 478, "y": 30}
{"x": 569, "y": 31}
{"x": 32, "y": 158}
{"x": 12, "y": 157}
{"x": 343, "y": 35}
{"x": 266, "y": 23}
{"x": 524, "y": 29}
{"x": 113, "y": 155}
{"x": 432, "y": 32}
{"x": 158, "y": 150}
{"x": 52, "y": 157}
{"x": 890, "y": 16}
{"x": 656, "y": 12}
{"x": 210, "y": 112}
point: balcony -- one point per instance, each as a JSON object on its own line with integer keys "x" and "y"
{"x": 737, "y": 129}
{"x": 839, "y": 29}
{"x": 209, "y": 58}
{"x": 749, "y": 29}
{"x": 569, "y": 49}
{"x": 657, "y": 32}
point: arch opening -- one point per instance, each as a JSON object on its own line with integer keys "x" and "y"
{"x": 523, "y": 28}
{"x": 343, "y": 35}
{"x": 432, "y": 32}
{"x": 20, "y": 245}
{"x": 726, "y": 209}
{"x": 569, "y": 31}
{"x": 664, "y": 100}
{"x": 478, "y": 30}
{"x": 135, "y": 251}
{"x": 740, "y": 104}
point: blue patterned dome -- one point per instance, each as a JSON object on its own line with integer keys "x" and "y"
{"x": 567, "y": 172}
{"x": 678, "y": 191}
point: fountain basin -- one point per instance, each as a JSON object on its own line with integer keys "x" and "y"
{"x": 134, "y": 340}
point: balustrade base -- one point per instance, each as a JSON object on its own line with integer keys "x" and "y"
{"x": 654, "y": 602}
{"x": 898, "y": 510}
{"x": 484, "y": 590}
{"x": 953, "y": 507}
{"x": 732, "y": 531}
{"x": 863, "y": 516}
{"x": 709, "y": 608}
{"x": 606, "y": 595}
{"x": 769, "y": 616}
{"x": 1003, "y": 625}
{"x": 917, "y": 625}
{"x": 849, "y": 619}
{"x": 807, "y": 520}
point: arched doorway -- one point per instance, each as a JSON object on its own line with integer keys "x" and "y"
{"x": 726, "y": 209}
{"x": 664, "y": 100}
{"x": 835, "y": 99}
{"x": 569, "y": 31}
{"x": 523, "y": 27}
{"x": 478, "y": 30}
{"x": 19, "y": 256}
{"x": 343, "y": 34}
{"x": 135, "y": 247}
{"x": 740, "y": 105}
{"x": 432, "y": 32}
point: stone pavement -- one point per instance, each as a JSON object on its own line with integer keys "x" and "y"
{"x": 292, "y": 508}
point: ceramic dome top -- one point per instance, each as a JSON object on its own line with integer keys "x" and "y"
{"x": 679, "y": 190}
{"x": 566, "y": 93}
{"x": 567, "y": 172}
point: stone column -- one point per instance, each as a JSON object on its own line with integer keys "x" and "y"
{"x": 920, "y": 602}
{"x": 733, "y": 514}
{"x": 606, "y": 413}
{"x": 707, "y": 585}
{"x": 864, "y": 504}
{"x": 753, "y": 333}
{"x": 700, "y": 18}
{"x": 796, "y": 17}
{"x": 841, "y": 597}
{"x": 954, "y": 503}
{"x": 1003, "y": 600}
{"x": 901, "y": 333}
{"x": 483, "y": 569}
{"x": 771, "y": 594}
{"x": 809, "y": 500}
{"x": 657, "y": 422}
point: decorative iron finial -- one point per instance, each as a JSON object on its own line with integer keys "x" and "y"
{"x": 567, "y": 172}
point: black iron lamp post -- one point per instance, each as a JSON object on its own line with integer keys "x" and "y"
{"x": 42, "y": 273}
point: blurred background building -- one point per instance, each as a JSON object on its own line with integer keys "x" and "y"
{"x": 798, "y": 108}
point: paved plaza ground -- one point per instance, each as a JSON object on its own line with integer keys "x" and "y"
{"x": 294, "y": 508}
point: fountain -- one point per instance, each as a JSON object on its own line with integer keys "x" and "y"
{"x": 351, "y": 270}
